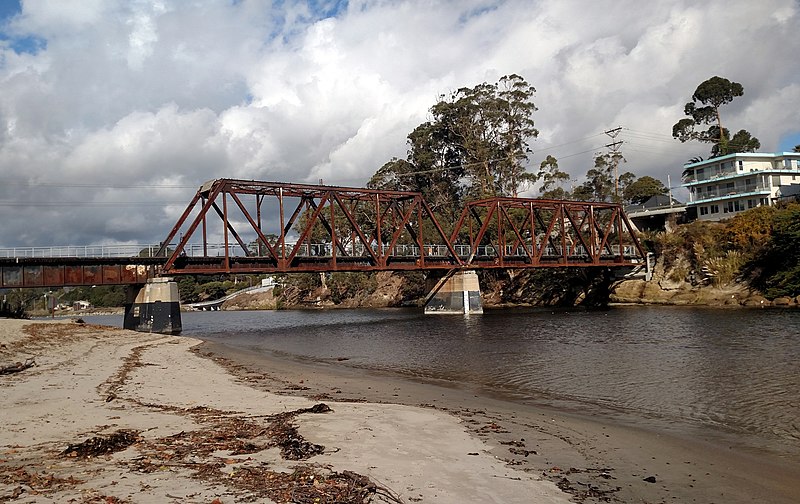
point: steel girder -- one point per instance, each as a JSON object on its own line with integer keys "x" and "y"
{"x": 328, "y": 228}
{"x": 526, "y": 232}
{"x": 331, "y": 228}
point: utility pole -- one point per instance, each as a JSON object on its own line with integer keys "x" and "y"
{"x": 615, "y": 155}
{"x": 669, "y": 186}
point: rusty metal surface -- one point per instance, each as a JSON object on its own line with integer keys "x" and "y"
{"x": 65, "y": 271}
{"x": 527, "y": 232}
{"x": 318, "y": 228}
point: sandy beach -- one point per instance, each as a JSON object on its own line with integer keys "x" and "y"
{"x": 107, "y": 415}
{"x": 592, "y": 459}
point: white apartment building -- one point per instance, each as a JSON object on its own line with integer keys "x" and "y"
{"x": 722, "y": 186}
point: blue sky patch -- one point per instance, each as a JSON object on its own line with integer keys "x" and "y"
{"x": 18, "y": 43}
{"x": 788, "y": 142}
{"x": 9, "y": 9}
{"x": 327, "y": 8}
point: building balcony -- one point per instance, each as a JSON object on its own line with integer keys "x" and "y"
{"x": 689, "y": 180}
{"x": 739, "y": 192}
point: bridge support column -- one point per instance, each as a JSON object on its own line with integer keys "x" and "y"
{"x": 154, "y": 307}
{"x": 459, "y": 293}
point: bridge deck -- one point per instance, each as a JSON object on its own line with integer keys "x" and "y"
{"x": 77, "y": 271}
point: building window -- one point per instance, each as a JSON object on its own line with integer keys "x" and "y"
{"x": 787, "y": 164}
{"x": 714, "y": 208}
{"x": 741, "y": 165}
{"x": 764, "y": 202}
{"x": 733, "y": 206}
{"x": 703, "y": 210}
{"x": 751, "y": 203}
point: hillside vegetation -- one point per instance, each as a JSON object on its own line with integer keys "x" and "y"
{"x": 759, "y": 248}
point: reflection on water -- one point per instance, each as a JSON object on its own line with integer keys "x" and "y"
{"x": 682, "y": 368}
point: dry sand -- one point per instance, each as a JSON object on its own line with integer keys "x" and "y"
{"x": 205, "y": 435}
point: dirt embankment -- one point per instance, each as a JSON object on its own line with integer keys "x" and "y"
{"x": 388, "y": 290}
{"x": 667, "y": 288}
{"x": 528, "y": 288}
{"x": 258, "y": 301}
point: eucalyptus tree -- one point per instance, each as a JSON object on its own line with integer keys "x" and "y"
{"x": 704, "y": 110}
{"x": 552, "y": 179}
{"x": 475, "y": 144}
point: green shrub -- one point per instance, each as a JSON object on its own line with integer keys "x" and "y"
{"x": 723, "y": 270}
{"x": 777, "y": 267}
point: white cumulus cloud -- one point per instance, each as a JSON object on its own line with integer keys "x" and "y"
{"x": 124, "y": 108}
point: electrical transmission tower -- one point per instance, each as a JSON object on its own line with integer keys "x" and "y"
{"x": 615, "y": 155}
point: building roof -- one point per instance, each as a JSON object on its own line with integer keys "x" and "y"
{"x": 657, "y": 201}
{"x": 763, "y": 155}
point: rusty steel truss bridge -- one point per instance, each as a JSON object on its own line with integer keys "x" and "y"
{"x": 250, "y": 227}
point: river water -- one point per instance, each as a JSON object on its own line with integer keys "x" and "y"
{"x": 692, "y": 371}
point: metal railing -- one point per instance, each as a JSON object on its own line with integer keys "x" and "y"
{"x": 81, "y": 251}
{"x": 321, "y": 250}
{"x": 739, "y": 189}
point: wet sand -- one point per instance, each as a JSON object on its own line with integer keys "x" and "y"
{"x": 592, "y": 459}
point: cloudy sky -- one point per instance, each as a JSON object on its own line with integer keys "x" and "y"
{"x": 112, "y": 113}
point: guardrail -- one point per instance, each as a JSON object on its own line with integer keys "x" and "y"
{"x": 82, "y": 251}
{"x": 305, "y": 250}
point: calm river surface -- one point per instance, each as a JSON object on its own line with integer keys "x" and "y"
{"x": 693, "y": 371}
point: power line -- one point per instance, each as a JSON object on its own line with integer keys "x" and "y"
{"x": 593, "y": 149}
{"x": 660, "y": 137}
{"x": 88, "y": 203}
{"x": 99, "y": 186}
{"x": 569, "y": 143}
{"x": 650, "y": 133}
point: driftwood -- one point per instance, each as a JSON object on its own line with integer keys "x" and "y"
{"x": 19, "y": 366}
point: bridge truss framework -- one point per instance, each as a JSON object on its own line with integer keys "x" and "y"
{"x": 327, "y": 228}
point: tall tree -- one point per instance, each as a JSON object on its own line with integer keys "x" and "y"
{"x": 599, "y": 184}
{"x": 474, "y": 145}
{"x": 552, "y": 179}
{"x": 516, "y": 127}
{"x": 490, "y": 125}
{"x": 644, "y": 188}
{"x": 704, "y": 109}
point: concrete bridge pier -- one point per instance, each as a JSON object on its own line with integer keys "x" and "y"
{"x": 154, "y": 307}
{"x": 457, "y": 292}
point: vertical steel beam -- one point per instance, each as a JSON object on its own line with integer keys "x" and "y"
{"x": 282, "y": 261}
{"x": 205, "y": 232}
{"x": 334, "y": 241}
{"x": 225, "y": 232}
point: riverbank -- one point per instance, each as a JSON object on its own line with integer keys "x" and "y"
{"x": 592, "y": 459}
{"x": 107, "y": 415}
